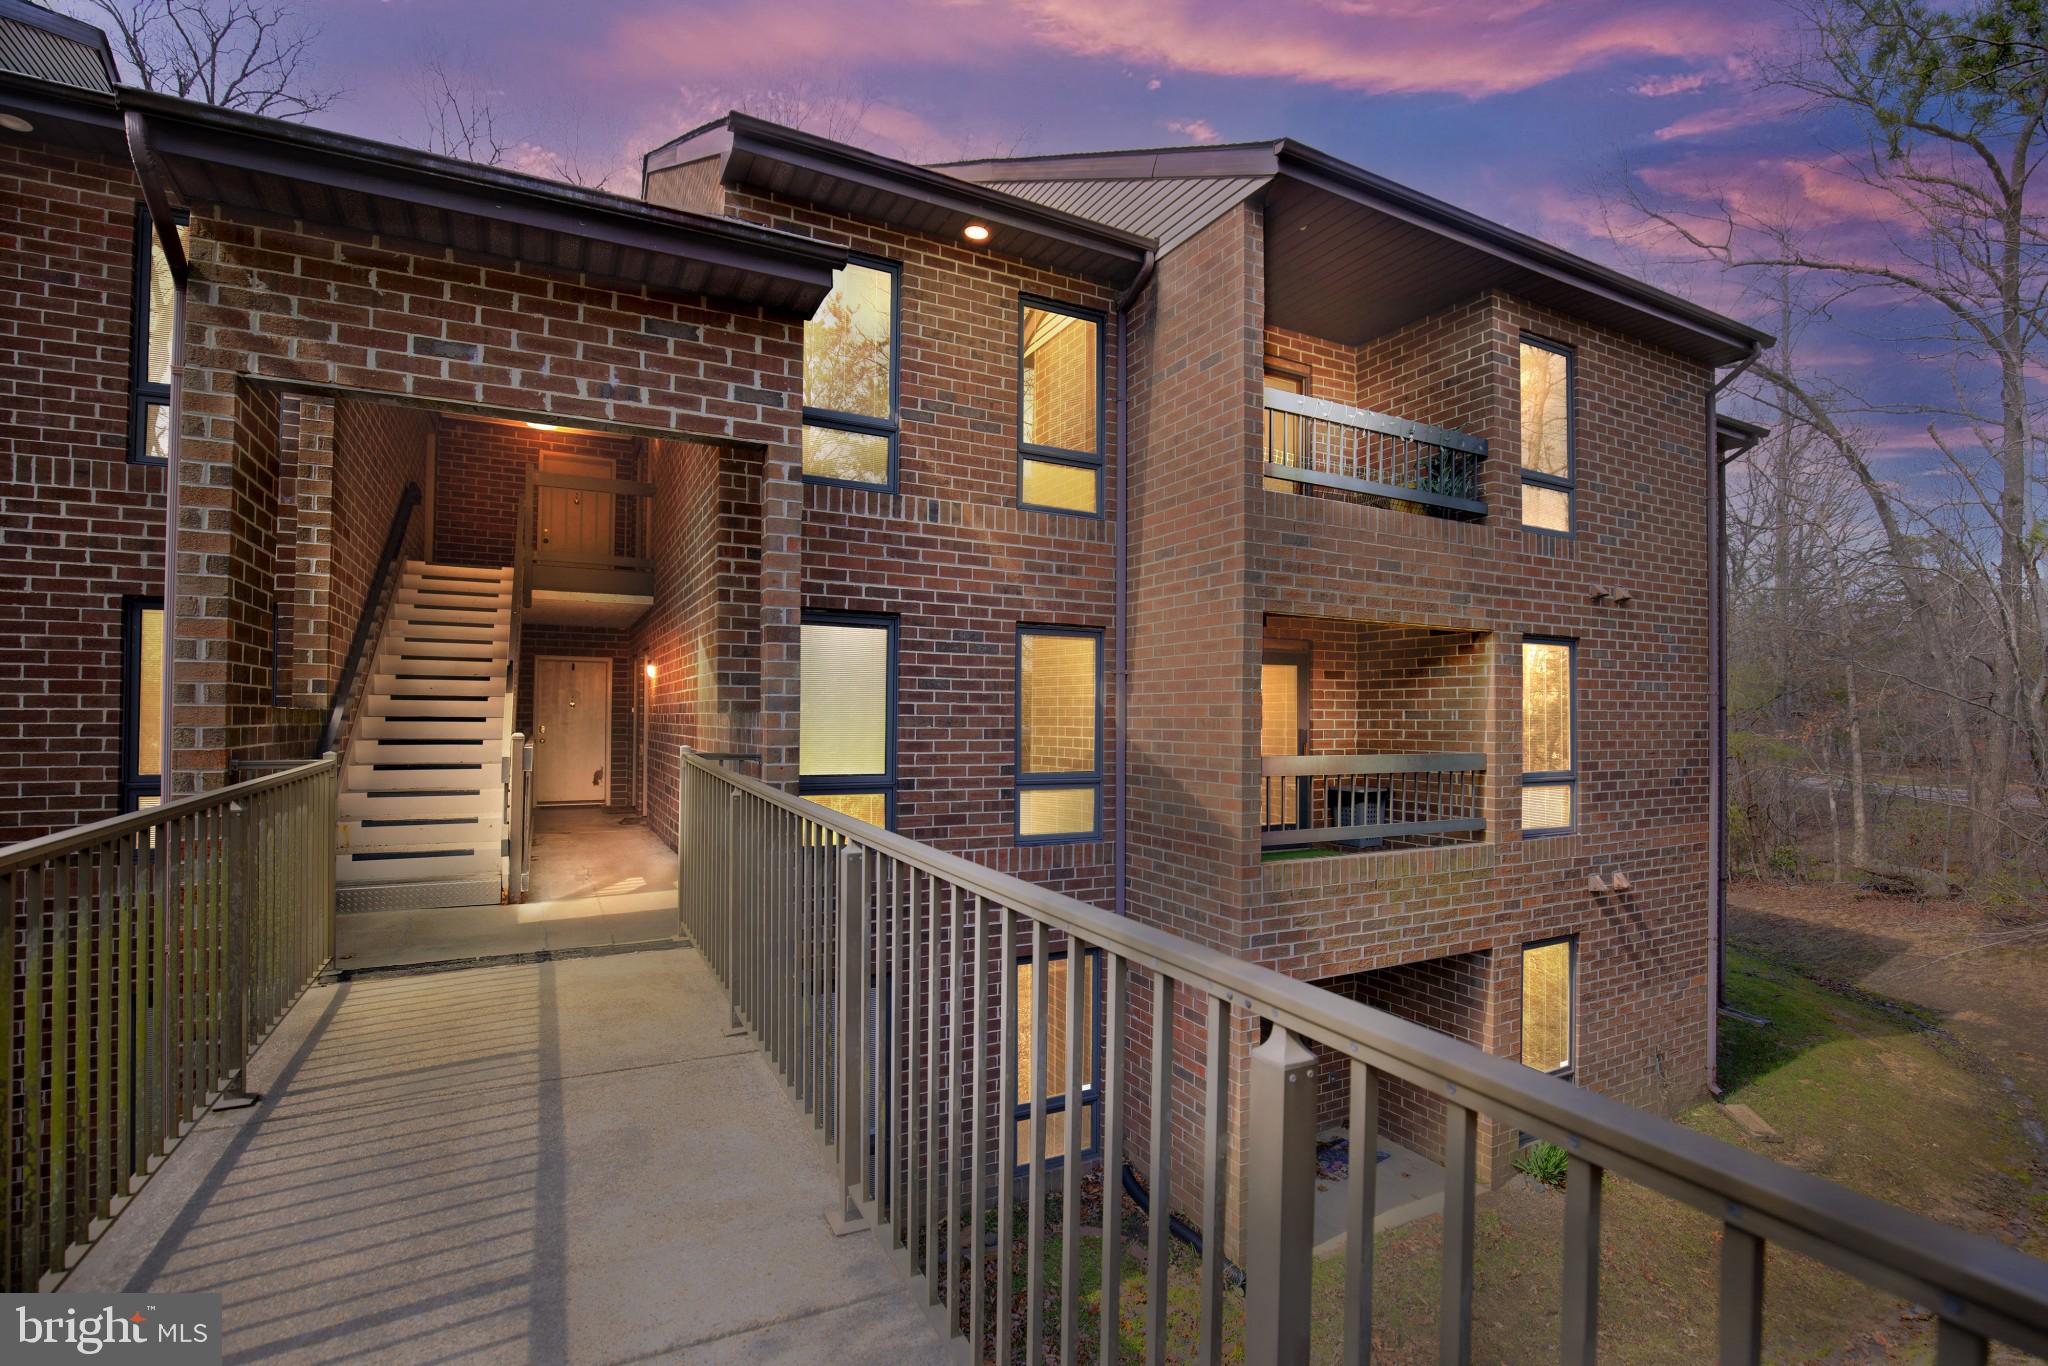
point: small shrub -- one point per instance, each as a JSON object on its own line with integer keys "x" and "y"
{"x": 1544, "y": 1162}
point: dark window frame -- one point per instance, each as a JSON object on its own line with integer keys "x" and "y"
{"x": 858, "y": 784}
{"x": 134, "y": 784}
{"x": 1025, "y": 780}
{"x": 143, "y": 394}
{"x": 1091, "y": 1089}
{"x": 891, "y": 427}
{"x": 1566, "y": 777}
{"x": 1571, "y": 1002}
{"x": 1569, "y": 484}
{"x": 1060, "y": 455}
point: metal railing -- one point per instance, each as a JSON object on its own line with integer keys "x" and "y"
{"x": 1315, "y": 444}
{"x": 1365, "y": 800}
{"x": 147, "y": 956}
{"x": 876, "y": 973}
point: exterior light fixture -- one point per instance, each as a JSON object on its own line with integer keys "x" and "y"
{"x": 543, "y": 427}
{"x": 975, "y": 232}
{"x": 15, "y": 123}
{"x": 650, "y": 671}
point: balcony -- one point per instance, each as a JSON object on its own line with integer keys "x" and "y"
{"x": 1370, "y": 801}
{"x": 1327, "y": 449}
{"x": 625, "y": 1157}
{"x": 585, "y": 547}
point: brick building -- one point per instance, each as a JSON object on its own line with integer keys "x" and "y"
{"x": 1223, "y": 535}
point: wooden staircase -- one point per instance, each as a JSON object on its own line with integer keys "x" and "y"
{"x": 423, "y": 796}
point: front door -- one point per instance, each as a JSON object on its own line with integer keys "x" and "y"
{"x": 575, "y": 523}
{"x": 572, "y": 730}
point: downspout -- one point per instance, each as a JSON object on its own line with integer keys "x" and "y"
{"x": 149, "y": 172}
{"x": 1121, "y": 846}
{"x": 1717, "y": 689}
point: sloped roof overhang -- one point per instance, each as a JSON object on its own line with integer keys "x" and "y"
{"x": 795, "y": 165}
{"x": 288, "y": 172}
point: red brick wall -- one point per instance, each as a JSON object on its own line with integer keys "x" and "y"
{"x": 951, "y": 555}
{"x": 379, "y": 448}
{"x": 703, "y": 632}
{"x": 80, "y": 527}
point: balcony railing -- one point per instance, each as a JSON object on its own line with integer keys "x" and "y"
{"x": 146, "y": 958}
{"x": 1365, "y": 800}
{"x": 579, "y": 533}
{"x": 1312, "y": 443}
{"x": 876, "y": 973}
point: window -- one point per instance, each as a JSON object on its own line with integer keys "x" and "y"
{"x": 1059, "y": 734}
{"x": 850, "y": 421}
{"x": 846, "y": 728}
{"x": 1051, "y": 1080}
{"x": 1549, "y": 757}
{"x": 149, "y": 378}
{"x": 142, "y": 702}
{"x": 1060, "y": 409}
{"x": 1547, "y": 987}
{"x": 1547, "y": 456}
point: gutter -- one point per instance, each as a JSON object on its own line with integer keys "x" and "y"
{"x": 1121, "y": 846}
{"x": 149, "y": 172}
{"x": 1717, "y": 692}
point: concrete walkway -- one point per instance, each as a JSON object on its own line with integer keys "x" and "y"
{"x": 553, "y": 1162}
{"x": 596, "y": 881}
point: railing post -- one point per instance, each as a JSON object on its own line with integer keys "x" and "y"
{"x": 1280, "y": 1203}
{"x": 236, "y": 1094}
{"x": 734, "y": 1027}
{"x": 847, "y": 1054}
{"x": 684, "y": 925}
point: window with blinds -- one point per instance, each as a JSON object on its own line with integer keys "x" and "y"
{"x": 1549, "y": 747}
{"x": 846, "y": 731}
{"x": 1059, "y": 734}
{"x": 1059, "y": 402}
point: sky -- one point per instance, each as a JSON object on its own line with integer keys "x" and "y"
{"x": 1526, "y": 111}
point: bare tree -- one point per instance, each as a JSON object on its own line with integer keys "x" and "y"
{"x": 1949, "y": 104}
{"x": 458, "y": 116}
{"x": 239, "y": 54}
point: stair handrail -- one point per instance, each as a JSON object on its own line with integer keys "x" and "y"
{"x": 375, "y": 604}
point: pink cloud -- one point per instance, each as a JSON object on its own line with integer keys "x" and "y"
{"x": 1395, "y": 46}
{"x": 1194, "y": 130}
{"x": 1657, "y": 87}
{"x": 1484, "y": 47}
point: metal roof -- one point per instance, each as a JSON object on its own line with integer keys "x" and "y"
{"x": 292, "y": 173}
{"x": 51, "y": 47}
{"x": 795, "y": 165}
{"x": 1351, "y": 255}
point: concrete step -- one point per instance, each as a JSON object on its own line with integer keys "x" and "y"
{"x": 454, "y": 800}
{"x": 422, "y": 645}
{"x": 443, "y": 618}
{"x": 391, "y": 662}
{"x": 425, "y": 596}
{"x": 442, "y": 729}
{"x": 386, "y": 832}
{"x": 481, "y": 629}
{"x": 385, "y": 752}
{"x": 402, "y": 702}
{"x": 460, "y": 572}
{"x": 429, "y": 778}
{"x": 390, "y": 684}
{"x": 418, "y": 863}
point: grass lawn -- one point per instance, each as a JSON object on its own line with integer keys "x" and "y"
{"x": 1862, "y": 1090}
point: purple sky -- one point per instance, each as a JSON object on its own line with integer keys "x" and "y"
{"x": 1523, "y": 110}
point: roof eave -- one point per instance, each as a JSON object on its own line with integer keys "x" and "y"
{"x": 1727, "y": 340}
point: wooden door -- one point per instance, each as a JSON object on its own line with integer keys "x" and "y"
{"x": 572, "y": 730}
{"x": 575, "y": 524}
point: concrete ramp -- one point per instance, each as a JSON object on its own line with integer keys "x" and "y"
{"x": 555, "y": 1162}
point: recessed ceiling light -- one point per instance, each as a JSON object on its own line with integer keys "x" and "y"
{"x": 975, "y": 232}
{"x": 15, "y": 123}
